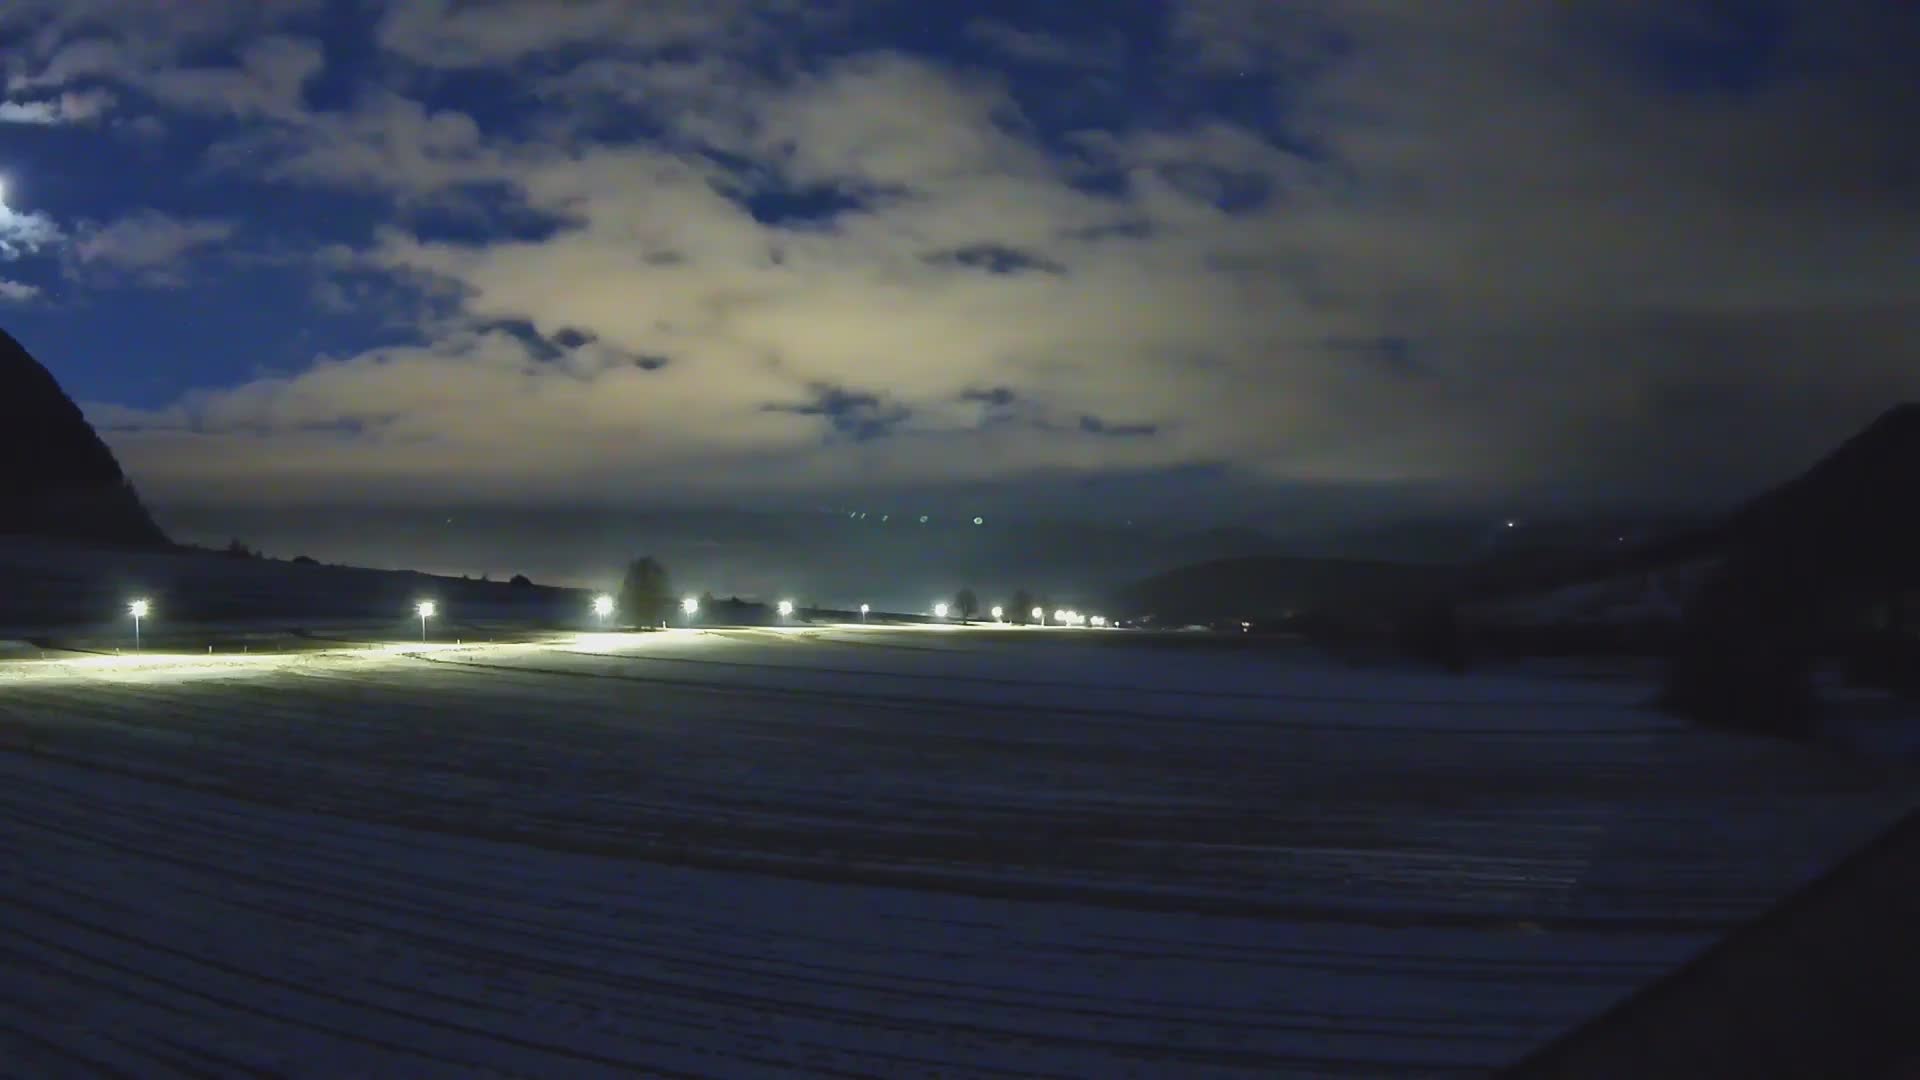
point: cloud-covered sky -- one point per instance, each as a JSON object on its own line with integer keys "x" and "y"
{"x": 603, "y": 251}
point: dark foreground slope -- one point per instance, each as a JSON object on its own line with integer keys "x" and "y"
{"x": 57, "y": 478}
{"x": 1822, "y": 985}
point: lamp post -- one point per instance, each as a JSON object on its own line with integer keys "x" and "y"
{"x": 1039, "y": 615}
{"x": 786, "y": 610}
{"x": 138, "y": 609}
{"x": 688, "y": 607}
{"x": 603, "y": 607}
{"x": 939, "y": 611}
{"x": 863, "y": 612}
{"x": 425, "y": 610}
{"x": 998, "y": 611}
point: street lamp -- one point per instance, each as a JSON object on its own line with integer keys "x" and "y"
{"x": 1039, "y": 615}
{"x": 425, "y": 609}
{"x": 138, "y": 609}
{"x": 939, "y": 611}
{"x": 786, "y": 609}
{"x": 863, "y": 612}
{"x": 998, "y": 612}
{"x": 689, "y": 607}
{"x": 603, "y": 607}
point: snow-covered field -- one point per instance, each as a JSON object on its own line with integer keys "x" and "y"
{"x": 842, "y": 851}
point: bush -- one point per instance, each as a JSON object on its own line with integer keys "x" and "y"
{"x": 520, "y": 581}
{"x": 305, "y": 560}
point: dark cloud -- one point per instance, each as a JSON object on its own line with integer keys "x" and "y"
{"x": 1093, "y": 425}
{"x": 997, "y": 259}
{"x": 998, "y": 396}
{"x": 861, "y": 417}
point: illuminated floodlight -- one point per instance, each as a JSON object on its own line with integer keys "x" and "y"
{"x": 786, "y": 608}
{"x": 1039, "y": 615}
{"x": 138, "y": 609}
{"x": 1099, "y": 620}
{"x": 425, "y": 609}
{"x": 998, "y": 612}
{"x": 939, "y": 611}
{"x": 689, "y": 605}
{"x": 603, "y": 607}
{"x": 863, "y": 612}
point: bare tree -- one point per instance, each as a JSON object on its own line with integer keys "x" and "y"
{"x": 966, "y": 603}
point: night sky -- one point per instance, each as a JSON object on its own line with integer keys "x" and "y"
{"x": 591, "y": 251}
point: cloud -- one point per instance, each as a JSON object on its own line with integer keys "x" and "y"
{"x": 17, "y": 292}
{"x": 60, "y": 41}
{"x": 24, "y": 234}
{"x": 268, "y": 82}
{"x": 148, "y": 248}
{"x": 1496, "y": 247}
{"x": 68, "y": 108}
{"x": 1106, "y": 52}
{"x": 493, "y": 33}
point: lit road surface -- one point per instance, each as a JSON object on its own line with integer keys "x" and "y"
{"x": 857, "y": 851}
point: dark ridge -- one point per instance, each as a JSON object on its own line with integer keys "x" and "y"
{"x": 57, "y": 478}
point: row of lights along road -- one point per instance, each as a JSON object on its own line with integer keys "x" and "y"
{"x": 603, "y": 609}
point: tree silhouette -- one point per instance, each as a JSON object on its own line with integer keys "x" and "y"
{"x": 967, "y": 604}
{"x": 1022, "y": 606}
{"x": 646, "y": 596}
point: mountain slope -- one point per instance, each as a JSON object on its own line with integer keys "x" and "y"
{"x": 57, "y": 478}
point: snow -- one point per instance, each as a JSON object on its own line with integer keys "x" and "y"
{"x": 870, "y": 852}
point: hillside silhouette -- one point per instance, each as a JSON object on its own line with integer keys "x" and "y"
{"x": 57, "y": 478}
{"x": 1282, "y": 587}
